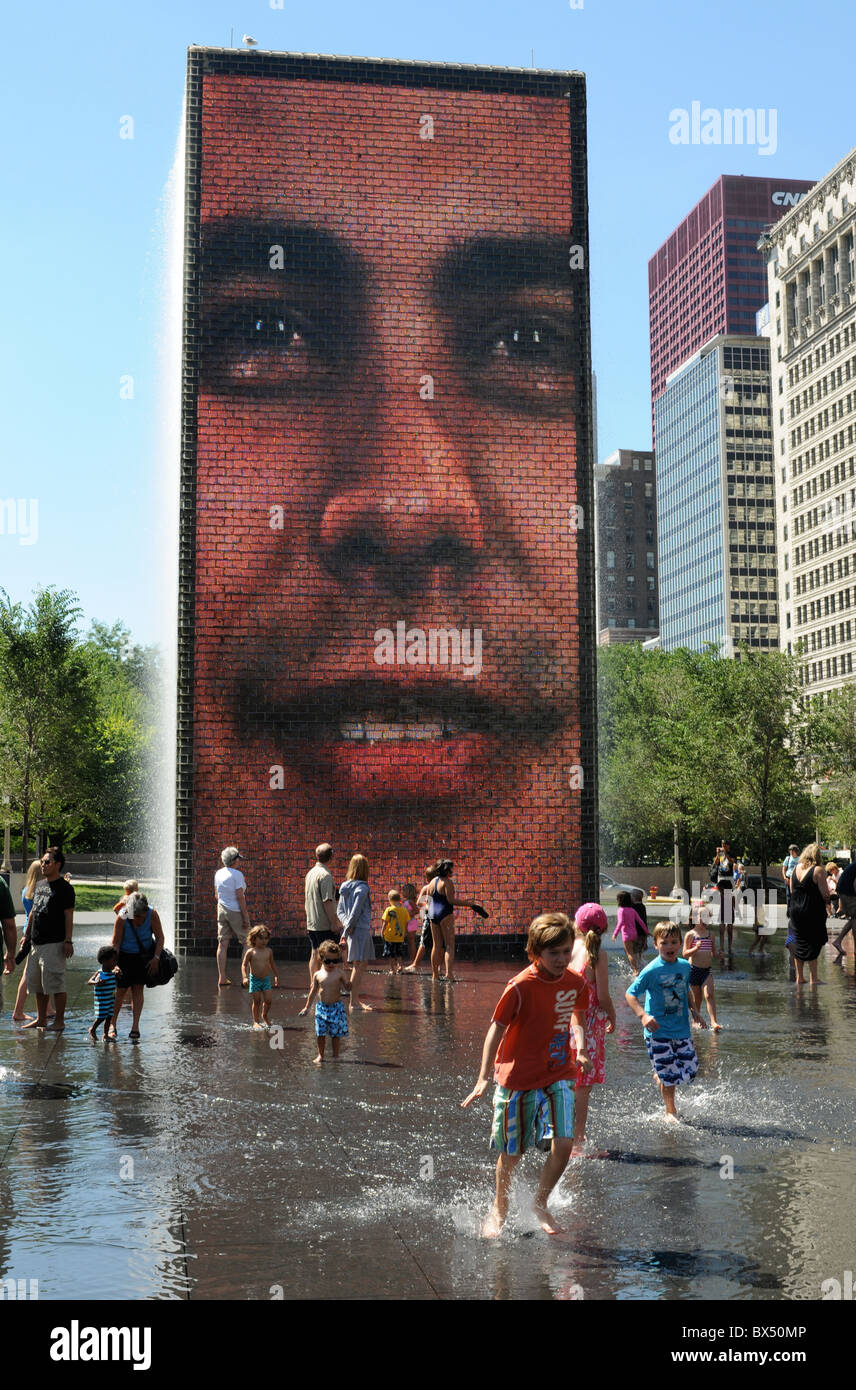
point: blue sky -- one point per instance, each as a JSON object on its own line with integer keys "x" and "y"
{"x": 82, "y": 232}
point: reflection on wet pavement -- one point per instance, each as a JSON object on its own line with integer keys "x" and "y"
{"x": 212, "y": 1161}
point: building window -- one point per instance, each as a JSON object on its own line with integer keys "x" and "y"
{"x": 649, "y": 559}
{"x": 610, "y": 559}
{"x": 649, "y": 489}
{"x": 628, "y": 489}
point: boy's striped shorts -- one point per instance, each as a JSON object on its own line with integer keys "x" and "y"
{"x": 522, "y": 1119}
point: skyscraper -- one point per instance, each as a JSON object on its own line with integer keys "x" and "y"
{"x": 626, "y": 503}
{"x": 812, "y": 288}
{"x": 708, "y": 278}
{"x": 716, "y": 517}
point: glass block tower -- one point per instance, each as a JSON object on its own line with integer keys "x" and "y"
{"x": 715, "y": 499}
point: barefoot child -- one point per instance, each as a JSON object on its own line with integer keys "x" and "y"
{"x": 394, "y": 931}
{"x": 664, "y": 985}
{"x": 330, "y": 1017}
{"x": 528, "y": 1049}
{"x": 259, "y": 973}
{"x": 698, "y": 950}
{"x": 426, "y": 939}
{"x": 590, "y": 961}
{"x": 634, "y": 933}
{"x": 414, "y": 925}
{"x": 104, "y": 980}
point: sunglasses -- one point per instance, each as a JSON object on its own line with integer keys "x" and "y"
{"x": 331, "y": 960}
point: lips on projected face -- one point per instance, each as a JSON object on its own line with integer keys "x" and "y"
{"x": 387, "y": 586}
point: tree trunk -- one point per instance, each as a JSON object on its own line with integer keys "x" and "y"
{"x": 684, "y": 847}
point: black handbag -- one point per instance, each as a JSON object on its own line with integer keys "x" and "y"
{"x": 167, "y": 965}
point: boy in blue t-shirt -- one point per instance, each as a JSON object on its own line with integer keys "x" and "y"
{"x": 664, "y": 984}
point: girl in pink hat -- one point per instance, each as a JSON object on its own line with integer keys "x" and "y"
{"x": 588, "y": 960}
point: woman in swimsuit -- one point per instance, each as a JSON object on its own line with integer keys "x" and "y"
{"x": 809, "y": 898}
{"x": 442, "y": 904}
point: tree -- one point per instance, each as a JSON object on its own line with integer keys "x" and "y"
{"x": 830, "y": 747}
{"x": 46, "y": 709}
{"x": 122, "y": 754}
{"x": 703, "y": 743}
{"x": 657, "y": 753}
{"x": 759, "y": 694}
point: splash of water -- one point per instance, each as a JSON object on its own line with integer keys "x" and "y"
{"x": 162, "y": 830}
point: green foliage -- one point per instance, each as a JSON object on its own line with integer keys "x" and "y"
{"x": 830, "y": 752}
{"x": 702, "y": 743}
{"x": 76, "y": 724}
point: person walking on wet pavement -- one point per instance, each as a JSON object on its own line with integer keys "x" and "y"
{"x": 105, "y": 981}
{"x": 426, "y": 940}
{"x": 722, "y": 874}
{"x": 665, "y": 1015}
{"x": 50, "y": 927}
{"x": 355, "y": 913}
{"x": 233, "y": 919}
{"x": 320, "y": 904}
{"x": 528, "y": 1049}
{"x": 847, "y": 904}
{"x": 808, "y": 917}
{"x": 10, "y": 934}
{"x": 328, "y": 983}
{"x": 789, "y": 863}
{"x": 138, "y": 938}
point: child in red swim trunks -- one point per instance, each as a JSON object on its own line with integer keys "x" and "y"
{"x": 528, "y": 1049}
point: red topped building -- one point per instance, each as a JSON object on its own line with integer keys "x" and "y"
{"x": 709, "y": 276}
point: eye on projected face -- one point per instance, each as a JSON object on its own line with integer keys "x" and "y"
{"x": 386, "y": 580}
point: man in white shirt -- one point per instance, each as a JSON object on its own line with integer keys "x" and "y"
{"x": 322, "y": 924}
{"x": 232, "y": 917}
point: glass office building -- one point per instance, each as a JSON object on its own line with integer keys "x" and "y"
{"x": 715, "y": 500}
{"x": 708, "y": 278}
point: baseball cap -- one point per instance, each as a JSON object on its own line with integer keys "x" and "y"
{"x": 590, "y": 917}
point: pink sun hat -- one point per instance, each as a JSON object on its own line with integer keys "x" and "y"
{"x": 590, "y": 917}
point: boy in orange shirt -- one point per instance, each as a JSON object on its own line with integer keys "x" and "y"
{"x": 528, "y": 1049}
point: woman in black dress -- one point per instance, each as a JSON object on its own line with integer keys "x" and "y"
{"x": 809, "y": 897}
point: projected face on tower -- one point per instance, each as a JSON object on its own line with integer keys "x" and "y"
{"x": 386, "y": 636}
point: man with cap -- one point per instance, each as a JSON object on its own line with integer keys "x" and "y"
{"x": 232, "y": 917}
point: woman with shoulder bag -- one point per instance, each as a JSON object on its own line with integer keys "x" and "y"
{"x": 138, "y": 938}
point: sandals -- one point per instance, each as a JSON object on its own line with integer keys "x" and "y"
{"x": 134, "y": 1033}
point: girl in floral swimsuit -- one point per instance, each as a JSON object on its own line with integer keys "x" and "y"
{"x": 588, "y": 960}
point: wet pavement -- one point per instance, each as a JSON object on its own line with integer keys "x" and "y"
{"x": 206, "y": 1162}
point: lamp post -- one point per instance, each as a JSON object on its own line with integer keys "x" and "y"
{"x": 816, "y": 790}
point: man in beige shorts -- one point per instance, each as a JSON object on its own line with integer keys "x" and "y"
{"x": 51, "y": 925}
{"x": 232, "y": 918}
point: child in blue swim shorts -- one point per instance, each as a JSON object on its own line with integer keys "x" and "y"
{"x": 258, "y": 973}
{"x": 664, "y": 985}
{"x": 329, "y": 980}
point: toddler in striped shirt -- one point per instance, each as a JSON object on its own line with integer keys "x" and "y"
{"x": 105, "y": 981}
